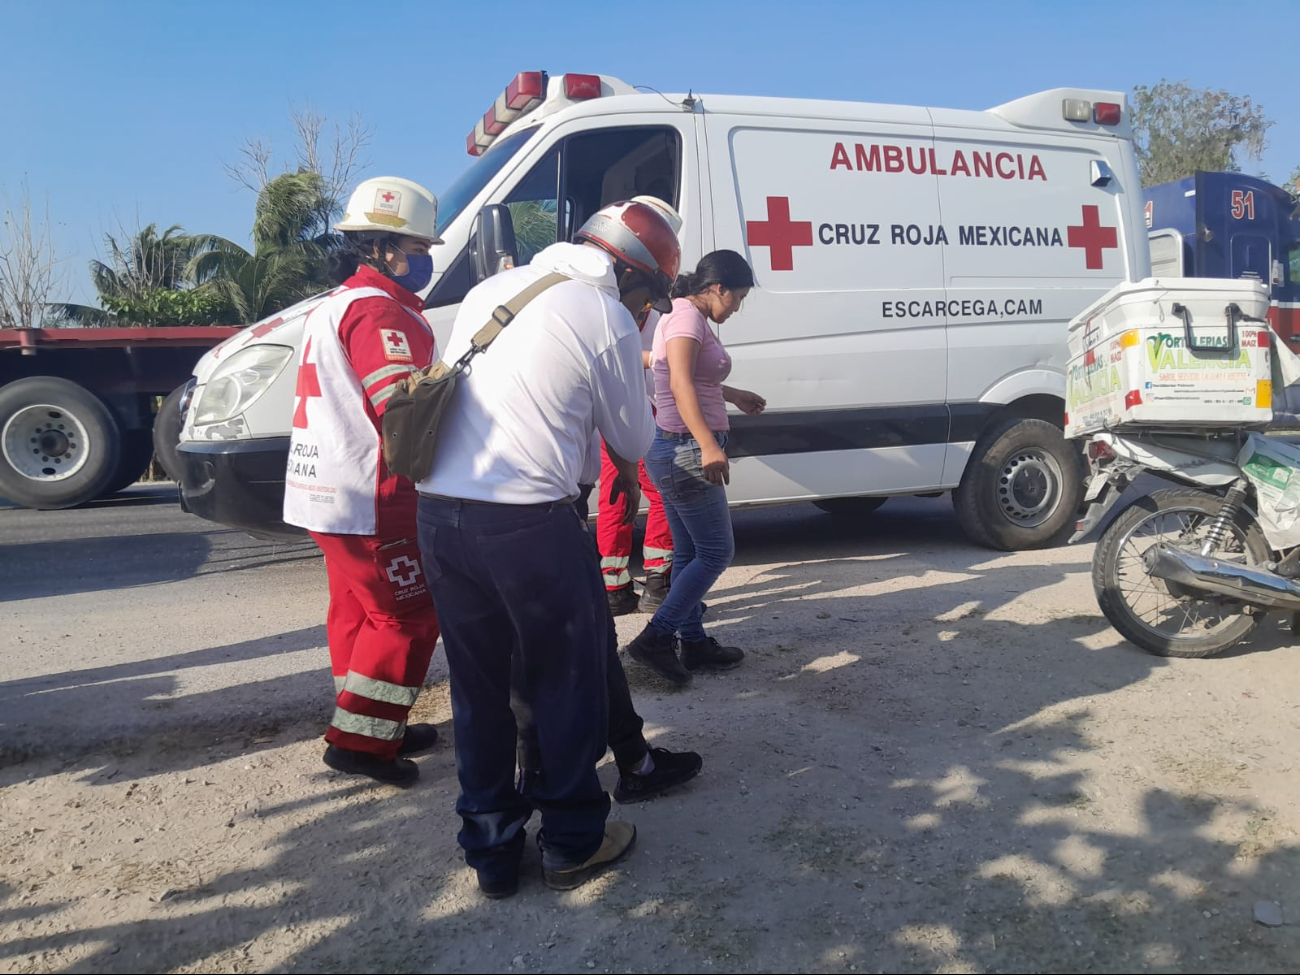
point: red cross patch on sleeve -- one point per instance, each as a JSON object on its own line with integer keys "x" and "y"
{"x": 396, "y": 347}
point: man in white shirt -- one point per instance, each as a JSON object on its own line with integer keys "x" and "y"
{"x": 509, "y": 564}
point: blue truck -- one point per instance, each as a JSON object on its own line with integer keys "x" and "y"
{"x": 1229, "y": 225}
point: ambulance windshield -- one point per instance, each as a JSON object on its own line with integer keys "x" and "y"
{"x": 469, "y": 184}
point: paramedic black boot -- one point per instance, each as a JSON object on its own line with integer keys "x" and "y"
{"x": 622, "y": 600}
{"x": 393, "y": 771}
{"x": 656, "y": 591}
{"x": 418, "y": 738}
{"x": 657, "y": 586}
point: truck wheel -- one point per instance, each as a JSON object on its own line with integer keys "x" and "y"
{"x": 59, "y": 443}
{"x": 850, "y": 507}
{"x": 1021, "y": 488}
{"x": 133, "y": 461}
{"x": 167, "y": 433}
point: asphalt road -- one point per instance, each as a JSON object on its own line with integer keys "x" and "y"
{"x": 112, "y": 613}
{"x": 128, "y": 617}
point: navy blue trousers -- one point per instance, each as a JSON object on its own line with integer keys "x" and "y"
{"x": 522, "y": 582}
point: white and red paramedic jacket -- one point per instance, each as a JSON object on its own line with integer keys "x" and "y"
{"x": 358, "y": 344}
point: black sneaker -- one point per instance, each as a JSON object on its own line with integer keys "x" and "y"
{"x": 419, "y": 738}
{"x": 671, "y": 769}
{"x": 393, "y": 771}
{"x": 658, "y": 651}
{"x": 622, "y": 600}
{"x": 709, "y": 654}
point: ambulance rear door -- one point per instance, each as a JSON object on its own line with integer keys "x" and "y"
{"x": 855, "y": 397}
{"x": 1037, "y": 226}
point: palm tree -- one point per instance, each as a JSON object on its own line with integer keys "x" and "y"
{"x": 291, "y": 245}
{"x": 146, "y": 261}
{"x": 259, "y": 283}
{"x": 138, "y": 265}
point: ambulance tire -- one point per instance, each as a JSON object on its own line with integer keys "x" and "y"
{"x": 73, "y": 425}
{"x": 167, "y": 434}
{"x": 849, "y": 507}
{"x": 1022, "y": 487}
{"x": 137, "y": 452}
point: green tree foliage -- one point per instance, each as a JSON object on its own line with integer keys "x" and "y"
{"x": 163, "y": 306}
{"x": 290, "y": 254}
{"x": 1179, "y": 130}
{"x": 144, "y": 282}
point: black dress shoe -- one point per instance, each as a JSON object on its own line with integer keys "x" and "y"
{"x": 498, "y": 888}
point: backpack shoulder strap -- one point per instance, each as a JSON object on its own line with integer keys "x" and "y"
{"x": 503, "y": 315}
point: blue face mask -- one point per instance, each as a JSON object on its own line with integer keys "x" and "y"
{"x": 419, "y": 272}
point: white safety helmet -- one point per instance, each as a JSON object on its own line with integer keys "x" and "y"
{"x": 390, "y": 204}
{"x": 665, "y": 209}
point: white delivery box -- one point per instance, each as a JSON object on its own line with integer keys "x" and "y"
{"x": 1188, "y": 352}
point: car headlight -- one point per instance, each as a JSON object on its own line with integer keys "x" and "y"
{"x": 234, "y": 386}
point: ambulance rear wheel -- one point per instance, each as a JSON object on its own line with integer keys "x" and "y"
{"x": 1022, "y": 487}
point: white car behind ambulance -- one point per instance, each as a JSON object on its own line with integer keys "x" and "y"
{"x": 915, "y": 271}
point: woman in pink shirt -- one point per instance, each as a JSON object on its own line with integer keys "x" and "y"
{"x": 688, "y": 462}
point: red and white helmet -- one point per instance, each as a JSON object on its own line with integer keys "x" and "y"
{"x": 640, "y": 236}
{"x": 665, "y": 210}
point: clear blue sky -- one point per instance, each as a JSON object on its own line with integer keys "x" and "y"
{"x": 122, "y": 113}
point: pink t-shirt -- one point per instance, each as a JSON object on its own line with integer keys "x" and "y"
{"x": 712, "y": 366}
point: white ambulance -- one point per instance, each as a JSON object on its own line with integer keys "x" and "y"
{"x": 915, "y": 271}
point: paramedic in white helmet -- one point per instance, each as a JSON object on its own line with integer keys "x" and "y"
{"x": 358, "y": 344}
{"x": 513, "y": 572}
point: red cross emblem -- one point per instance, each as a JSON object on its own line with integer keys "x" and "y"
{"x": 308, "y": 386}
{"x": 261, "y": 331}
{"x": 403, "y": 571}
{"x": 388, "y": 197}
{"x": 1093, "y": 237}
{"x": 779, "y": 233}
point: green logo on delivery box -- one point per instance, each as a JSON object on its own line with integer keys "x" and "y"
{"x": 1165, "y": 351}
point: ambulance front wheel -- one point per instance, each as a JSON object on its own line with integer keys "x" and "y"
{"x": 167, "y": 426}
{"x": 1022, "y": 487}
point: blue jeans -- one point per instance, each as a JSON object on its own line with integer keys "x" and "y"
{"x": 703, "y": 545}
{"x": 518, "y": 587}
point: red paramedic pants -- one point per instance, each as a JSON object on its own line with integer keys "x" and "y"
{"x": 615, "y": 538}
{"x": 382, "y": 630}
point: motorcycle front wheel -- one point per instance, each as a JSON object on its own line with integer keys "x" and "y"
{"x": 1145, "y": 610}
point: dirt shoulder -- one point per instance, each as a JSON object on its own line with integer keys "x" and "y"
{"x": 936, "y": 759}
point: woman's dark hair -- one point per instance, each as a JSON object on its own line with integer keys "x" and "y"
{"x": 343, "y": 263}
{"x": 726, "y": 268}
{"x": 356, "y": 249}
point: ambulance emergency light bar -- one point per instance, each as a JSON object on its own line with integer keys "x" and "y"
{"x": 1081, "y": 110}
{"x": 521, "y": 96}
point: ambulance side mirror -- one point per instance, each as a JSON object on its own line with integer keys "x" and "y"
{"x": 492, "y": 242}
